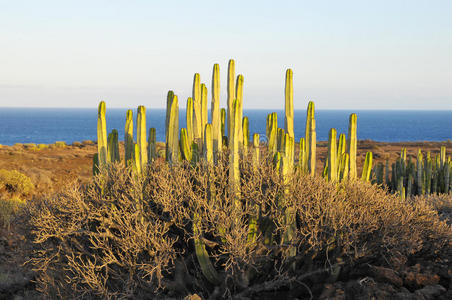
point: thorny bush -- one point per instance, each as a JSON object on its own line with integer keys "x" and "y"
{"x": 127, "y": 236}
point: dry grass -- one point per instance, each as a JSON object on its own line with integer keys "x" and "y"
{"x": 124, "y": 236}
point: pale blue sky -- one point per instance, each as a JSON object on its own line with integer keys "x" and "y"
{"x": 344, "y": 54}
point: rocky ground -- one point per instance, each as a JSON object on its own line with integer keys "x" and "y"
{"x": 426, "y": 277}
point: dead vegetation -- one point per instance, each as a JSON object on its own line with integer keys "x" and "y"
{"x": 125, "y": 236}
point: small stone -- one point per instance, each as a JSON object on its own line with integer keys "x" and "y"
{"x": 431, "y": 291}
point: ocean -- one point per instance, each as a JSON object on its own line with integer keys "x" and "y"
{"x": 47, "y": 125}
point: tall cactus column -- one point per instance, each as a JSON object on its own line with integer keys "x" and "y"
{"x": 204, "y": 111}
{"x": 102, "y": 135}
{"x": 352, "y": 145}
{"x": 239, "y": 96}
{"x": 215, "y": 111}
{"x": 234, "y": 172}
{"x": 141, "y": 136}
{"x": 311, "y": 138}
{"x": 197, "y": 116}
{"x": 332, "y": 156}
{"x": 231, "y": 95}
{"x": 172, "y": 145}
{"x": 288, "y": 92}
{"x": 128, "y": 138}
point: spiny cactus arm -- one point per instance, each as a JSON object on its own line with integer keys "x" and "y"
{"x": 128, "y": 137}
{"x": 420, "y": 182}
{"x": 443, "y": 156}
{"x": 288, "y": 93}
{"x": 172, "y": 147}
{"x": 96, "y": 164}
{"x": 169, "y": 99}
{"x": 113, "y": 146}
{"x": 102, "y": 135}
{"x": 280, "y": 139}
{"x": 246, "y": 134}
{"x": 302, "y": 157}
{"x": 215, "y": 112}
{"x": 141, "y": 135}
{"x": 185, "y": 146}
{"x": 204, "y": 111}
{"x": 352, "y": 144}
{"x": 234, "y": 172}
{"x": 311, "y": 141}
{"x": 273, "y": 134}
{"x": 136, "y": 164}
{"x": 239, "y": 95}
{"x": 197, "y": 115}
{"x": 152, "y": 147}
{"x": 207, "y": 268}
{"x": 223, "y": 121}
{"x": 189, "y": 119}
{"x": 231, "y": 94}
{"x": 341, "y": 145}
{"x": 367, "y": 167}
{"x": 256, "y": 154}
{"x": 332, "y": 156}
{"x": 208, "y": 144}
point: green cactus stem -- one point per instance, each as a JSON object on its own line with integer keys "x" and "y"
{"x": 113, "y": 146}
{"x": 185, "y": 146}
{"x": 96, "y": 164}
{"x": 136, "y": 164}
{"x": 217, "y": 119}
{"x": 352, "y": 145}
{"x": 231, "y": 95}
{"x": 128, "y": 138}
{"x": 303, "y": 157}
{"x": 332, "y": 156}
{"x": 208, "y": 144}
{"x": 223, "y": 122}
{"x": 246, "y": 134}
{"x": 420, "y": 173}
{"x": 367, "y": 167}
{"x": 256, "y": 154}
{"x": 197, "y": 109}
{"x": 102, "y": 135}
{"x": 272, "y": 133}
{"x": 311, "y": 138}
{"x": 234, "y": 172}
{"x": 141, "y": 136}
{"x": 204, "y": 111}
{"x": 288, "y": 93}
{"x": 172, "y": 145}
{"x": 189, "y": 120}
{"x": 239, "y": 95}
{"x": 152, "y": 147}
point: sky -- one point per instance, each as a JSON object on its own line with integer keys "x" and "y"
{"x": 344, "y": 54}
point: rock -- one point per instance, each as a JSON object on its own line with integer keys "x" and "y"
{"x": 386, "y": 275}
{"x": 431, "y": 291}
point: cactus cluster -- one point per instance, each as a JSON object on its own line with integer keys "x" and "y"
{"x": 406, "y": 177}
{"x": 228, "y": 136}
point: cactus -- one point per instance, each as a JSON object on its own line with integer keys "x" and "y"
{"x": 204, "y": 111}
{"x": 239, "y": 96}
{"x": 141, "y": 136}
{"x": 96, "y": 169}
{"x": 280, "y": 139}
{"x": 303, "y": 157}
{"x": 256, "y": 154}
{"x": 185, "y": 147}
{"x": 223, "y": 122}
{"x": 332, "y": 156}
{"x": 136, "y": 163}
{"x": 352, "y": 145}
{"x": 272, "y": 133}
{"x": 197, "y": 116}
{"x": 152, "y": 148}
{"x": 231, "y": 95}
{"x": 208, "y": 144}
{"x": 234, "y": 172}
{"x": 288, "y": 92}
{"x": 102, "y": 135}
{"x": 343, "y": 167}
{"x": 420, "y": 173}
{"x": 217, "y": 119}
{"x": 341, "y": 145}
{"x": 246, "y": 134}
{"x": 172, "y": 144}
{"x": 113, "y": 146}
{"x": 128, "y": 138}
{"x": 367, "y": 167}
{"x": 311, "y": 138}
{"x": 189, "y": 120}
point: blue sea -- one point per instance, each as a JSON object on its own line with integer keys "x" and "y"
{"x": 47, "y": 125}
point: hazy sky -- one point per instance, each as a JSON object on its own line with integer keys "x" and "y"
{"x": 345, "y": 54}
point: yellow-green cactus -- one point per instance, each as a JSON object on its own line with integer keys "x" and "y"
{"x": 367, "y": 167}
{"x": 246, "y": 134}
{"x": 136, "y": 164}
{"x": 311, "y": 138}
{"x": 152, "y": 148}
{"x": 352, "y": 145}
{"x": 197, "y": 110}
{"x": 204, "y": 111}
{"x": 185, "y": 147}
{"x": 113, "y": 146}
{"x": 256, "y": 154}
{"x": 332, "y": 156}
{"x": 234, "y": 171}
{"x": 303, "y": 157}
{"x": 231, "y": 94}
{"x": 272, "y": 133}
{"x": 223, "y": 122}
{"x": 217, "y": 122}
{"x": 141, "y": 136}
{"x": 289, "y": 115}
{"x": 189, "y": 120}
{"x": 128, "y": 137}
{"x": 239, "y": 97}
{"x": 102, "y": 135}
{"x": 208, "y": 144}
{"x": 172, "y": 145}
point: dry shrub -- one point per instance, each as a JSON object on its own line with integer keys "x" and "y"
{"x": 14, "y": 188}
{"x": 128, "y": 236}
